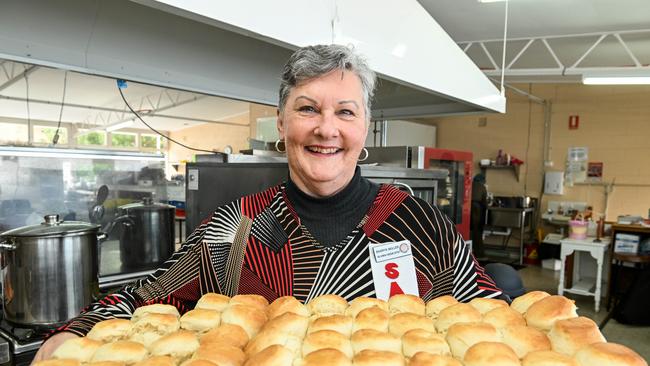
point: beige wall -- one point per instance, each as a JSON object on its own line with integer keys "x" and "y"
{"x": 614, "y": 125}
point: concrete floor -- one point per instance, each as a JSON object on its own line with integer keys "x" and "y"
{"x": 635, "y": 337}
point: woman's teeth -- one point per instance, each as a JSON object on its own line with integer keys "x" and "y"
{"x": 322, "y": 150}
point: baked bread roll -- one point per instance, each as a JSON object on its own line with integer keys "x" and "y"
{"x": 378, "y": 358}
{"x": 179, "y": 345}
{"x": 275, "y": 355}
{"x": 523, "y": 339}
{"x": 456, "y": 314}
{"x": 484, "y": 305}
{"x": 249, "y": 318}
{"x": 212, "y": 301}
{"x": 151, "y": 327}
{"x": 569, "y": 335}
{"x": 435, "y": 306}
{"x": 105, "y": 363}
{"x": 154, "y": 309}
{"x": 523, "y": 302}
{"x": 269, "y": 337}
{"x": 325, "y": 305}
{"x": 198, "y": 362}
{"x": 324, "y": 357}
{"x": 610, "y": 354}
{"x": 110, "y": 330}
{"x": 157, "y": 361}
{"x": 371, "y": 318}
{"x": 222, "y": 355}
{"x": 254, "y": 301}
{"x": 81, "y": 349}
{"x": 289, "y": 323}
{"x": 399, "y": 324}
{"x": 200, "y": 320}
{"x": 490, "y": 354}
{"x": 548, "y": 358}
{"x": 327, "y": 339}
{"x": 428, "y": 359}
{"x": 287, "y": 304}
{"x": 339, "y": 323}
{"x": 370, "y": 339}
{"x": 226, "y": 334}
{"x": 545, "y": 312}
{"x": 404, "y": 303}
{"x": 419, "y": 340}
{"x": 461, "y": 336}
{"x": 504, "y": 316}
{"x": 58, "y": 362}
{"x": 120, "y": 351}
{"x": 361, "y": 303}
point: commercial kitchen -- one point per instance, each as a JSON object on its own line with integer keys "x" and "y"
{"x": 124, "y": 124}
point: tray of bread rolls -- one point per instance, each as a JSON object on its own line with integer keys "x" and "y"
{"x": 536, "y": 329}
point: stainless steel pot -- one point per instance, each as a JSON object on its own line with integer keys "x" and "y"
{"x": 49, "y": 271}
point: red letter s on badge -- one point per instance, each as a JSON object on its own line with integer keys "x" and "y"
{"x": 391, "y": 271}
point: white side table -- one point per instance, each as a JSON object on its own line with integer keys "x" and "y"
{"x": 587, "y": 286}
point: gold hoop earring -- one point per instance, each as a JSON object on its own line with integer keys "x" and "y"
{"x": 366, "y": 155}
{"x": 277, "y": 146}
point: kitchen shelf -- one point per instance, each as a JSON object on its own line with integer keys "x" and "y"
{"x": 514, "y": 168}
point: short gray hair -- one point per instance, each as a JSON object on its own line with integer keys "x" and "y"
{"x": 314, "y": 61}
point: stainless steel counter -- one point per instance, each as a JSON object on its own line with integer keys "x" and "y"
{"x": 511, "y": 218}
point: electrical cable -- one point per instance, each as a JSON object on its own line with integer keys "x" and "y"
{"x": 121, "y": 82}
{"x": 503, "y": 56}
{"x": 55, "y": 139}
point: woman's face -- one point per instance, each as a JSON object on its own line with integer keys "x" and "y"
{"x": 323, "y": 125}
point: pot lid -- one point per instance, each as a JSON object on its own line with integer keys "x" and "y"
{"x": 52, "y": 226}
{"x": 148, "y": 204}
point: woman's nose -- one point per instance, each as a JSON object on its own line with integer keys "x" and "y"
{"x": 327, "y": 126}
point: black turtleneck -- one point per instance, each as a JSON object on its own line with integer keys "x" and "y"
{"x": 330, "y": 220}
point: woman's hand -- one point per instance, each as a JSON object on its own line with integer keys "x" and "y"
{"x": 48, "y": 348}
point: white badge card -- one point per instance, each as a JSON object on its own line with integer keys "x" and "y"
{"x": 393, "y": 270}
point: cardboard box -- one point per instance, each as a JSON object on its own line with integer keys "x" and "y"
{"x": 626, "y": 243}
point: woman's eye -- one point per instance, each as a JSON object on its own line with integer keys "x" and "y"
{"x": 307, "y": 109}
{"x": 347, "y": 112}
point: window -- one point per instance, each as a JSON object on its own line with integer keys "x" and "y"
{"x": 150, "y": 141}
{"x": 45, "y": 134}
{"x": 13, "y": 133}
{"x": 91, "y": 138}
{"x": 124, "y": 139}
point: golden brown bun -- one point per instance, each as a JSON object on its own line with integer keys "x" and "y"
{"x": 371, "y": 318}
{"x": 455, "y": 314}
{"x": 504, "y": 316}
{"x": 121, "y": 351}
{"x": 610, "y": 354}
{"x": 58, "y": 362}
{"x": 523, "y": 339}
{"x": 200, "y": 320}
{"x": 293, "y": 324}
{"x": 151, "y": 327}
{"x": 324, "y": 357}
{"x": 523, "y": 302}
{"x": 406, "y": 304}
{"x": 212, "y": 301}
{"x": 105, "y": 363}
{"x": 198, "y": 362}
{"x": 157, "y": 361}
{"x": 226, "y": 334}
{"x": 180, "y": 345}
{"x": 490, "y": 354}
{"x": 327, "y": 305}
{"x": 545, "y": 312}
{"x": 428, "y": 359}
{"x": 275, "y": 355}
{"x": 326, "y": 339}
{"x": 419, "y": 340}
{"x": 435, "y": 306}
{"x": 484, "y": 305}
{"x": 249, "y": 318}
{"x": 378, "y": 358}
{"x": 569, "y": 335}
{"x": 110, "y": 330}
{"x": 155, "y": 309}
{"x": 365, "y": 339}
{"x": 338, "y": 323}
{"x": 287, "y": 304}
{"x": 361, "y": 303}
{"x": 81, "y": 349}
{"x": 222, "y": 355}
{"x": 255, "y": 301}
{"x": 461, "y": 336}
{"x": 269, "y": 337}
{"x": 403, "y": 322}
{"x": 548, "y": 358}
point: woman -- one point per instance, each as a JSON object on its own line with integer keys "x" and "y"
{"x": 309, "y": 236}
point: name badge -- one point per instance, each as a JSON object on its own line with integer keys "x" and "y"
{"x": 393, "y": 270}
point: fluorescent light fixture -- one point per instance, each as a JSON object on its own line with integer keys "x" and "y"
{"x": 616, "y": 80}
{"x": 491, "y": 1}
{"x": 117, "y": 126}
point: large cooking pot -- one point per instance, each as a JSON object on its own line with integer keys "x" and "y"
{"x": 147, "y": 238}
{"x": 49, "y": 271}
